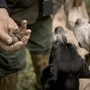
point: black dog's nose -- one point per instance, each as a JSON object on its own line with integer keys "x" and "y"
{"x": 58, "y": 30}
{"x": 59, "y": 35}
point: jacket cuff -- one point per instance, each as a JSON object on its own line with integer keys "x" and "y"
{"x": 3, "y": 4}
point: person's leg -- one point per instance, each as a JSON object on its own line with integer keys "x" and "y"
{"x": 9, "y": 82}
{"x": 10, "y": 64}
{"x": 40, "y": 45}
{"x": 40, "y": 61}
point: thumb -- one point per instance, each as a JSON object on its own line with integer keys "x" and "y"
{"x": 5, "y": 38}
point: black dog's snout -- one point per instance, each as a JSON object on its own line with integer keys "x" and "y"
{"x": 59, "y": 35}
{"x": 58, "y": 30}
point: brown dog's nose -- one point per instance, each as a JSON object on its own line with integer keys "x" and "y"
{"x": 78, "y": 21}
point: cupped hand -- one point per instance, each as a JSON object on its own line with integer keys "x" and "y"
{"x": 5, "y": 39}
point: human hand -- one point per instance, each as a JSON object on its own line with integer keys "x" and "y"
{"x": 5, "y": 39}
{"x": 5, "y": 22}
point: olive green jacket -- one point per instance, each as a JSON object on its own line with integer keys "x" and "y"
{"x": 24, "y": 9}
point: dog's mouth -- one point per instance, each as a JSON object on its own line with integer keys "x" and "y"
{"x": 59, "y": 35}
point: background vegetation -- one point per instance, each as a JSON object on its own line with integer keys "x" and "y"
{"x": 26, "y": 78}
{"x": 88, "y": 6}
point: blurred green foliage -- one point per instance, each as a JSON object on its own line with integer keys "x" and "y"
{"x": 87, "y": 2}
{"x": 26, "y": 78}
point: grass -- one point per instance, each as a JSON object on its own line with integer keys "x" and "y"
{"x": 26, "y": 78}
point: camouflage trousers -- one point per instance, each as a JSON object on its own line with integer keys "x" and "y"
{"x": 9, "y": 82}
{"x": 40, "y": 61}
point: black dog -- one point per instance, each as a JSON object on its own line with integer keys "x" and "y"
{"x": 65, "y": 65}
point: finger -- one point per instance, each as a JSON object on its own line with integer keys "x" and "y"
{"x": 17, "y": 46}
{"x": 12, "y": 48}
{"x": 24, "y": 25}
{"x": 28, "y": 32}
{"x": 26, "y": 36}
{"x": 25, "y": 39}
{"x": 6, "y": 38}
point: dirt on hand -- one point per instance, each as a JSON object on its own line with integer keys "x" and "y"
{"x": 17, "y": 34}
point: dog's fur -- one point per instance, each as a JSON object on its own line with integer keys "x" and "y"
{"x": 82, "y": 33}
{"x": 65, "y": 65}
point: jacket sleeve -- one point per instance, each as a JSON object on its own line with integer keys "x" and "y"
{"x": 3, "y": 4}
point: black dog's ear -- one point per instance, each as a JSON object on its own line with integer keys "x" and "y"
{"x": 49, "y": 77}
{"x": 72, "y": 48}
{"x": 74, "y": 53}
{"x": 45, "y": 74}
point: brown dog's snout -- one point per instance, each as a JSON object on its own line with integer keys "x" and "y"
{"x": 78, "y": 21}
